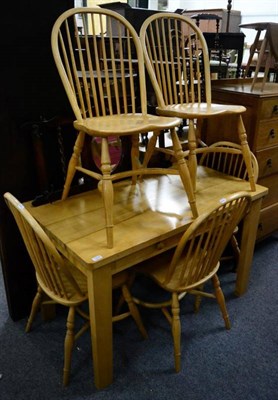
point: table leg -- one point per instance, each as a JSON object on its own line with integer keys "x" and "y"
{"x": 248, "y": 239}
{"x": 100, "y": 308}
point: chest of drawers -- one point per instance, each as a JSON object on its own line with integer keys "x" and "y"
{"x": 261, "y": 122}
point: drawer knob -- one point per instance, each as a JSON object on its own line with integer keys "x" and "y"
{"x": 160, "y": 246}
{"x": 272, "y": 133}
{"x": 269, "y": 163}
{"x": 275, "y": 110}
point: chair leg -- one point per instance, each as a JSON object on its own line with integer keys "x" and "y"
{"x": 266, "y": 70}
{"x": 221, "y": 301}
{"x": 192, "y": 159}
{"x": 150, "y": 149}
{"x": 106, "y": 187}
{"x": 135, "y": 163}
{"x": 68, "y": 345}
{"x": 198, "y": 300}
{"x": 259, "y": 62}
{"x": 35, "y": 307}
{"x": 134, "y": 311}
{"x": 252, "y": 52}
{"x": 176, "y": 331}
{"x": 184, "y": 172}
{"x": 73, "y": 163}
{"x": 246, "y": 153}
{"x": 120, "y": 303}
{"x": 235, "y": 248}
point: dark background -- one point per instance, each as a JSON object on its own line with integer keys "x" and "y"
{"x": 31, "y": 92}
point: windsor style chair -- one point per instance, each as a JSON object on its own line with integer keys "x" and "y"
{"x": 60, "y": 282}
{"x": 177, "y": 61}
{"x": 100, "y": 61}
{"x": 195, "y": 260}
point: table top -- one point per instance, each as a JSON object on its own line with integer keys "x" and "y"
{"x": 256, "y": 25}
{"x": 144, "y": 214}
{"x": 243, "y": 86}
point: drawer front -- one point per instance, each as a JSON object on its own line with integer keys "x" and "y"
{"x": 268, "y": 222}
{"x": 267, "y": 134}
{"x": 271, "y": 182}
{"x": 148, "y": 252}
{"x": 269, "y": 109}
{"x": 268, "y": 161}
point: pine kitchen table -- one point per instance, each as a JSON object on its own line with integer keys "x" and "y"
{"x": 149, "y": 218}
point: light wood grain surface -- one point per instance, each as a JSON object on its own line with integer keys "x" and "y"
{"x": 152, "y": 210}
{"x": 149, "y": 219}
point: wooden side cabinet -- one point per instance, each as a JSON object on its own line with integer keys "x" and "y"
{"x": 261, "y": 122}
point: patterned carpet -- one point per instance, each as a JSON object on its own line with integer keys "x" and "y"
{"x": 240, "y": 364}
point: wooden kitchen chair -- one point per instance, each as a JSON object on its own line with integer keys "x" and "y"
{"x": 61, "y": 282}
{"x": 177, "y": 61}
{"x": 194, "y": 261}
{"x": 103, "y": 73}
{"x": 226, "y": 157}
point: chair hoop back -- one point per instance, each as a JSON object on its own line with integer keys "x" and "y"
{"x": 99, "y": 57}
{"x": 227, "y": 157}
{"x": 201, "y": 246}
{"x": 177, "y": 59}
{"x": 50, "y": 269}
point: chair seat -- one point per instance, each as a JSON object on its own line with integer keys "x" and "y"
{"x": 199, "y": 110}
{"x": 126, "y": 124}
{"x": 155, "y": 266}
{"x": 157, "y": 269}
{"x": 73, "y": 296}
